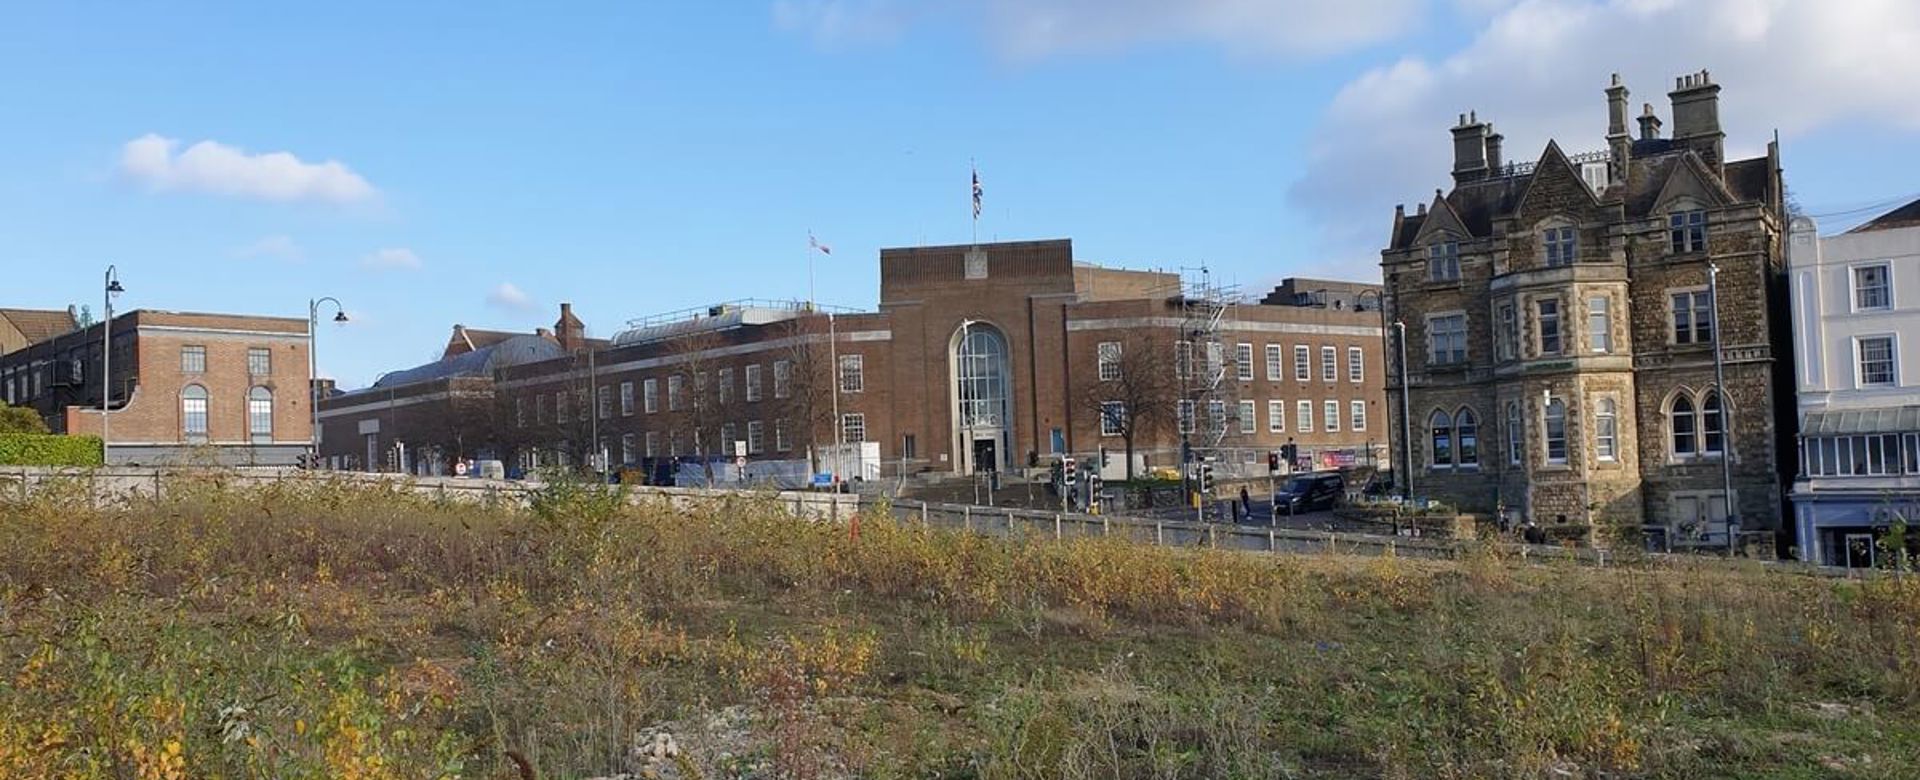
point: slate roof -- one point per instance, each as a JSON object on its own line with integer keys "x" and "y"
{"x": 1905, "y": 216}
{"x": 516, "y": 349}
{"x": 38, "y": 325}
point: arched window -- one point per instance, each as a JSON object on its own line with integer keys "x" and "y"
{"x": 1605, "y": 430}
{"x": 193, "y": 413}
{"x": 1712, "y": 425}
{"x": 260, "y": 415}
{"x": 1467, "y": 427}
{"x": 1556, "y": 430}
{"x": 1680, "y": 421}
{"x": 1441, "y": 426}
{"x": 1514, "y": 437}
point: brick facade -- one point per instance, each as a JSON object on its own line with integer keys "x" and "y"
{"x": 1568, "y": 270}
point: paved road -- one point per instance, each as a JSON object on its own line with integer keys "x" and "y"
{"x": 1262, "y": 516}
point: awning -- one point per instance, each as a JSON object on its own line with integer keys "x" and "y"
{"x": 1888, "y": 419}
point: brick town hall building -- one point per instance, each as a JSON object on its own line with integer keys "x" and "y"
{"x": 1561, "y": 341}
{"x": 979, "y": 357}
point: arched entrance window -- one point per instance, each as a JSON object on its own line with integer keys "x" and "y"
{"x": 983, "y": 417}
{"x": 193, "y": 414}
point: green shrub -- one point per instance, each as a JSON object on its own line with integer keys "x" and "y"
{"x": 20, "y": 419}
{"x": 33, "y": 449}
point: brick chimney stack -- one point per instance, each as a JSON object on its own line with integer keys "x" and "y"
{"x": 1649, "y": 123}
{"x": 1619, "y": 143}
{"x": 569, "y": 330}
{"x": 1493, "y": 150}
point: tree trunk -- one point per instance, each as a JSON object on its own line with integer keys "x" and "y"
{"x": 1129, "y": 442}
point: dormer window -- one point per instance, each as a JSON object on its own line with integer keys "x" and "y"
{"x": 1687, "y": 231}
{"x": 1561, "y": 246}
{"x": 1443, "y": 262}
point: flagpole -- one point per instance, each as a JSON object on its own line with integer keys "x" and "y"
{"x": 810, "y": 242}
{"x": 974, "y": 193}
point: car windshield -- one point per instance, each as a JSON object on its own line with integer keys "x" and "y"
{"x": 1299, "y": 485}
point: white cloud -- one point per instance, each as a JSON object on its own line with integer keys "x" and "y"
{"x": 506, "y": 296}
{"x": 391, "y": 259}
{"x": 1028, "y": 29}
{"x": 1538, "y": 67}
{"x": 216, "y": 168}
{"x": 276, "y": 247}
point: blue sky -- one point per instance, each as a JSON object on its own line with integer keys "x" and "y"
{"x": 493, "y": 159}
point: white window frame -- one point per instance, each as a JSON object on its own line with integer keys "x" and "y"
{"x": 259, "y": 361}
{"x": 753, "y": 382}
{"x": 1276, "y": 363}
{"x": 853, "y": 421}
{"x": 1107, "y": 355}
{"x": 1249, "y": 417}
{"x": 1546, "y": 432}
{"x": 650, "y": 395}
{"x": 1112, "y": 417}
{"x": 626, "y": 399}
{"x": 1330, "y": 416}
{"x": 1541, "y": 319}
{"x": 725, "y": 390}
{"x": 782, "y": 379}
{"x": 627, "y": 448}
{"x": 1302, "y": 363}
{"x": 676, "y": 392}
{"x": 1217, "y": 415}
{"x": 1183, "y": 416}
{"x": 1276, "y": 416}
{"x": 1507, "y": 330}
{"x": 1329, "y": 363}
{"x": 853, "y": 373}
{"x": 756, "y": 437}
{"x": 1243, "y": 361}
{"x": 1357, "y": 416}
{"x": 1516, "y": 436}
{"x": 1182, "y": 359}
{"x": 652, "y": 444}
{"x": 1606, "y": 430}
{"x": 1860, "y": 360}
{"x": 1303, "y": 416}
{"x": 1433, "y": 338}
{"x": 782, "y": 439}
{"x": 1886, "y": 287}
{"x": 1356, "y": 364}
{"x": 603, "y": 402}
{"x": 1600, "y": 324}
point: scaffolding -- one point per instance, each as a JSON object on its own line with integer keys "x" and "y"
{"x": 1210, "y": 424}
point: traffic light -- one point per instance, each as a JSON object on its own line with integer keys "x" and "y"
{"x": 1070, "y": 472}
{"x": 1273, "y": 461}
{"x": 1206, "y": 478}
{"x": 1103, "y": 460}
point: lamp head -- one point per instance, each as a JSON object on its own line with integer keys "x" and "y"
{"x": 114, "y": 288}
{"x": 340, "y": 316}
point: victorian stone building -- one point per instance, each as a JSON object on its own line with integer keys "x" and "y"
{"x": 1560, "y": 338}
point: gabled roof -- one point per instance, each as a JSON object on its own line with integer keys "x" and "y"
{"x": 1905, "y": 216}
{"x": 1554, "y": 164}
{"x": 1441, "y": 218}
{"x": 1689, "y": 177}
{"x": 38, "y": 325}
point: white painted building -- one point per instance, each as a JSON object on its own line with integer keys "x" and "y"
{"x": 1856, "y": 329}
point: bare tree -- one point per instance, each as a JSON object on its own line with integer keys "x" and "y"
{"x": 1135, "y": 392}
{"x": 693, "y": 396}
{"x": 803, "y": 387}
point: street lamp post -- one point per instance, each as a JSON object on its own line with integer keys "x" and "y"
{"x": 1726, "y": 419}
{"x": 313, "y": 363}
{"x": 111, "y": 286}
{"x": 1380, "y": 305}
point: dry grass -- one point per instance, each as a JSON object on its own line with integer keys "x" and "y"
{"x": 318, "y": 630}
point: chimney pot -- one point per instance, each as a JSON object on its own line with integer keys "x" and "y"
{"x": 1423, "y": 210}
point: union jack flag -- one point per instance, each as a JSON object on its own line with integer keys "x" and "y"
{"x": 815, "y": 243}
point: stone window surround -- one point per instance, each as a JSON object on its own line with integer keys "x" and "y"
{"x": 1698, "y": 399}
{"x": 1618, "y": 460}
{"x": 1548, "y": 463}
{"x": 1455, "y": 440}
{"x": 1466, "y": 326}
{"x": 1853, "y": 285}
{"x": 1859, "y": 372}
{"x": 1667, "y": 295}
{"x": 1540, "y": 330}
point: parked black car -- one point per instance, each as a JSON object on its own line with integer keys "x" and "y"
{"x": 1307, "y": 492}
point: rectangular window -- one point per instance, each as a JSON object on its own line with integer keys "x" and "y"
{"x": 1216, "y": 361}
{"x": 1276, "y": 370}
{"x": 1560, "y": 246}
{"x": 1303, "y": 416}
{"x": 627, "y": 448}
{"x": 728, "y": 436}
{"x": 1605, "y": 430}
{"x": 626, "y": 399}
{"x": 782, "y": 378}
{"x": 1357, "y": 414}
{"x": 1687, "y": 231}
{"x": 603, "y": 403}
{"x": 676, "y": 392}
{"x": 1447, "y": 339}
{"x": 1249, "y": 421}
{"x": 650, "y": 395}
{"x": 519, "y": 412}
{"x": 1330, "y": 411}
{"x": 1276, "y": 417}
{"x": 560, "y": 406}
{"x": 653, "y": 443}
{"x": 1329, "y": 364}
{"x": 1217, "y": 416}
{"x": 753, "y": 383}
{"x": 540, "y": 409}
{"x": 756, "y": 437}
{"x": 1556, "y": 419}
{"x": 1549, "y": 311}
{"x": 1108, "y": 355}
{"x": 1113, "y": 418}
{"x": 673, "y": 443}
{"x": 1509, "y": 333}
{"x": 1243, "y": 361}
{"x": 259, "y": 361}
{"x": 1514, "y": 437}
{"x": 1182, "y": 359}
{"x": 1871, "y": 287}
{"x": 853, "y": 428}
{"x": 1443, "y": 262}
{"x": 853, "y": 373}
{"x": 1356, "y": 365}
{"x": 193, "y": 359}
{"x": 1876, "y": 361}
{"x": 782, "y": 442}
{"x": 1302, "y": 363}
{"x": 1600, "y": 324}
{"x": 1184, "y": 414}
{"x": 726, "y": 385}
{"x": 1692, "y": 317}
